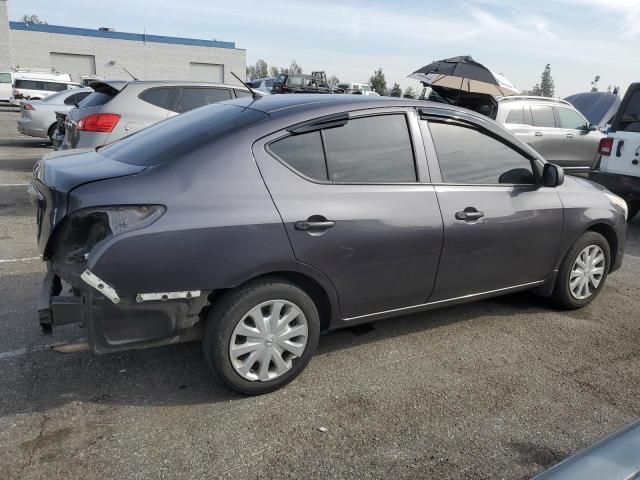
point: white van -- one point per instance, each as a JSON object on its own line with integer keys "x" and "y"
{"x": 357, "y": 88}
{"x": 619, "y": 168}
{"x": 37, "y": 89}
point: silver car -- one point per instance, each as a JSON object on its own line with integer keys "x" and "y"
{"x": 559, "y": 132}
{"x": 38, "y": 117}
{"x": 119, "y": 108}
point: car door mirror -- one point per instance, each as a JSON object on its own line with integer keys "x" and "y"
{"x": 552, "y": 175}
{"x": 518, "y": 176}
{"x": 592, "y": 127}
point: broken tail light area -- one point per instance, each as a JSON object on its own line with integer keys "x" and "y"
{"x": 86, "y": 228}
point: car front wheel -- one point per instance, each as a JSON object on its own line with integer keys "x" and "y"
{"x": 583, "y": 271}
{"x": 261, "y": 336}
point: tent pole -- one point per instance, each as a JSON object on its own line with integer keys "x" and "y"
{"x": 459, "y": 91}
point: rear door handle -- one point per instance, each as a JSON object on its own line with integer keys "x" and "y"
{"x": 314, "y": 225}
{"x": 538, "y": 134}
{"x": 469, "y": 214}
{"x": 569, "y": 135}
{"x": 619, "y": 149}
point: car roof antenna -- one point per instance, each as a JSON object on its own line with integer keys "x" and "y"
{"x": 130, "y": 74}
{"x": 254, "y": 94}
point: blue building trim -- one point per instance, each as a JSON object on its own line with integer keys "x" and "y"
{"x": 134, "y": 37}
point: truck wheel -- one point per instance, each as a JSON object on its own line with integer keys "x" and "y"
{"x": 634, "y": 208}
{"x": 583, "y": 271}
{"x": 261, "y": 336}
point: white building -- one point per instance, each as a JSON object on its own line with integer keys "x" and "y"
{"x": 104, "y": 53}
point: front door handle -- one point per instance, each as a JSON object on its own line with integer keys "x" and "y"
{"x": 469, "y": 214}
{"x": 569, "y": 135}
{"x": 538, "y": 134}
{"x": 314, "y": 224}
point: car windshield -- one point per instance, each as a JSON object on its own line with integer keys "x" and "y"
{"x": 181, "y": 135}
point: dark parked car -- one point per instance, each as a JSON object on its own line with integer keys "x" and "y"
{"x": 261, "y": 224}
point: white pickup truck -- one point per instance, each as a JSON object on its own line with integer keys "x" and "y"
{"x": 619, "y": 167}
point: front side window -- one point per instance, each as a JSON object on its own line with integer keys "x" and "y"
{"x": 543, "y": 116}
{"x": 571, "y": 119}
{"x": 195, "y": 97}
{"x": 161, "y": 97}
{"x": 470, "y": 157}
{"x": 371, "y": 149}
{"x": 515, "y": 116}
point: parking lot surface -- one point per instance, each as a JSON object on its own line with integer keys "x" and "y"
{"x": 494, "y": 389}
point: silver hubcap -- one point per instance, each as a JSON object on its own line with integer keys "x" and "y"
{"x": 267, "y": 339}
{"x": 587, "y": 272}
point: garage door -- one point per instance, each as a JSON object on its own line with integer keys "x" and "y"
{"x": 75, "y": 65}
{"x": 206, "y": 72}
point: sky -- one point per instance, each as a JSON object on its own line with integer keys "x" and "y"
{"x": 351, "y": 39}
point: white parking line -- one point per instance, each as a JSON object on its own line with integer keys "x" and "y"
{"x": 14, "y": 184}
{"x": 25, "y": 259}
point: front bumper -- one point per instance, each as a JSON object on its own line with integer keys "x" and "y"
{"x": 115, "y": 324}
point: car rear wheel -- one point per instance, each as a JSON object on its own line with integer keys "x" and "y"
{"x": 583, "y": 271}
{"x": 261, "y": 336}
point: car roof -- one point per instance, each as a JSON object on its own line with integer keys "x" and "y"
{"x": 297, "y": 101}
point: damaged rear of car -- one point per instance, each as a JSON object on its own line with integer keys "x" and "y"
{"x": 98, "y": 210}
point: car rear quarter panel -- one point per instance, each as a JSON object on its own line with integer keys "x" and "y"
{"x": 220, "y": 228}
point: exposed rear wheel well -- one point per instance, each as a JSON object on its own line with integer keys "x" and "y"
{"x": 308, "y": 284}
{"x": 607, "y": 232}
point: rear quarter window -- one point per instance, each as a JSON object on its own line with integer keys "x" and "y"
{"x": 630, "y": 118}
{"x": 95, "y": 100}
{"x": 161, "y": 97}
{"x": 181, "y": 135}
{"x": 543, "y": 116}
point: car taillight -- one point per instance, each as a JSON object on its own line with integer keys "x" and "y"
{"x": 606, "y": 145}
{"x": 28, "y": 106}
{"x": 99, "y": 122}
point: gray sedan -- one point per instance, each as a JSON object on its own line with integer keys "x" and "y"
{"x": 38, "y": 117}
{"x": 259, "y": 224}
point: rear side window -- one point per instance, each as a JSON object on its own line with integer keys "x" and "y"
{"x": 196, "y": 97}
{"x": 543, "y": 116}
{"x": 29, "y": 84}
{"x": 76, "y": 98}
{"x": 161, "y": 97}
{"x": 371, "y": 149}
{"x": 242, "y": 93}
{"x": 516, "y": 116}
{"x": 303, "y": 153}
{"x": 181, "y": 135}
{"x": 468, "y": 156}
{"x": 570, "y": 119}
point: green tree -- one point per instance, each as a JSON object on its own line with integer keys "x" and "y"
{"x": 333, "y": 81}
{"x": 409, "y": 93}
{"x": 274, "y": 71}
{"x": 547, "y": 87}
{"x": 594, "y": 84}
{"x": 293, "y": 69}
{"x": 262, "y": 70}
{"x": 251, "y": 73}
{"x": 33, "y": 19}
{"x": 396, "y": 90}
{"x": 378, "y": 82}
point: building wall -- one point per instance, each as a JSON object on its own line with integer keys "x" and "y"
{"x": 145, "y": 60}
{"x": 5, "y": 38}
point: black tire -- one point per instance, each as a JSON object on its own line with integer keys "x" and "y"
{"x": 562, "y": 293}
{"x": 51, "y": 131}
{"x": 634, "y": 208}
{"x": 230, "y": 309}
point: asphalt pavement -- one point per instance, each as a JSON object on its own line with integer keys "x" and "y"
{"x": 495, "y": 389}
